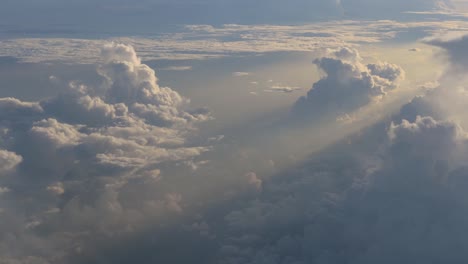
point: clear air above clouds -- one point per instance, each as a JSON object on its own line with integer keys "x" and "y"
{"x": 233, "y": 132}
{"x": 149, "y": 15}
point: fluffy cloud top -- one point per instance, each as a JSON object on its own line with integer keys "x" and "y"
{"x": 348, "y": 84}
{"x": 396, "y": 204}
{"x": 76, "y": 152}
{"x": 8, "y": 161}
{"x": 437, "y": 139}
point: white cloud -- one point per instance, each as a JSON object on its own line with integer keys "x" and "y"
{"x": 56, "y": 188}
{"x": 83, "y": 150}
{"x": 240, "y": 74}
{"x": 348, "y": 84}
{"x": 178, "y": 68}
{"x": 204, "y": 42}
{"x": 428, "y": 137}
{"x": 4, "y": 190}
{"x": 254, "y": 180}
{"x": 282, "y": 89}
{"x": 391, "y": 208}
{"x": 8, "y": 161}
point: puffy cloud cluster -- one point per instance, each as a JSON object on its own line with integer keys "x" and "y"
{"x": 400, "y": 201}
{"x": 8, "y": 161}
{"x": 394, "y": 193}
{"x": 434, "y": 140}
{"x": 348, "y": 84}
{"x": 78, "y": 154}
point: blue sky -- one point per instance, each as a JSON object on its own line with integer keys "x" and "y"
{"x": 113, "y": 16}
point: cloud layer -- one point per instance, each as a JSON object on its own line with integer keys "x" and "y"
{"x": 206, "y": 41}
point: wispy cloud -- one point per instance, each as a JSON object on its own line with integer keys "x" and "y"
{"x": 177, "y": 68}
{"x": 241, "y": 74}
{"x": 282, "y": 89}
{"x": 205, "y": 42}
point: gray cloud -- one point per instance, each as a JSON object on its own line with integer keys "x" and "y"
{"x": 454, "y": 45}
{"x": 360, "y": 206}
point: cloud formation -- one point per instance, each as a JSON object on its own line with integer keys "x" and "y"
{"x": 81, "y": 151}
{"x": 206, "y": 41}
{"x": 454, "y": 45}
{"x": 282, "y": 89}
{"x": 348, "y": 84}
{"x": 400, "y": 203}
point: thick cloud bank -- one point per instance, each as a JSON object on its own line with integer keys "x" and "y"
{"x": 67, "y": 163}
{"x": 402, "y": 201}
{"x": 394, "y": 193}
{"x": 348, "y": 84}
{"x": 87, "y": 177}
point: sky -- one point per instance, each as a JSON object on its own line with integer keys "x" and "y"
{"x": 233, "y": 132}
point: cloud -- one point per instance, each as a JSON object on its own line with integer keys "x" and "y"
{"x": 8, "y": 161}
{"x": 178, "y": 68}
{"x": 348, "y": 84}
{"x": 381, "y": 203}
{"x": 437, "y": 139}
{"x": 454, "y": 46}
{"x": 196, "y": 42}
{"x": 240, "y": 74}
{"x": 56, "y": 188}
{"x": 79, "y": 153}
{"x": 253, "y": 180}
{"x": 282, "y": 89}
{"x": 368, "y": 8}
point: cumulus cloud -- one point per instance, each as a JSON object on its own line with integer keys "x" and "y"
{"x": 348, "y": 84}
{"x": 253, "y": 180}
{"x": 359, "y": 206}
{"x": 79, "y": 152}
{"x": 439, "y": 137}
{"x": 56, "y": 188}
{"x": 8, "y": 161}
